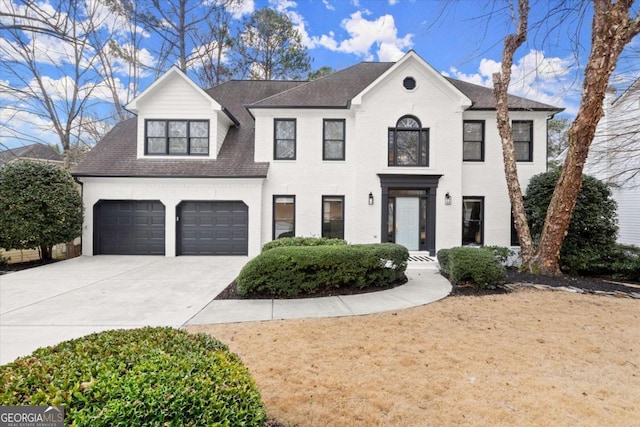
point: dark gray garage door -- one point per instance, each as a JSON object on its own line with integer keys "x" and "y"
{"x": 213, "y": 228}
{"x": 129, "y": 227}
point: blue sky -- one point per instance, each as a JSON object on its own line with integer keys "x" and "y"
{"x": 459, "y": 38}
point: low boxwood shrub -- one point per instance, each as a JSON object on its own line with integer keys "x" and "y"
{"x": 443, "y": 260}
{"x": 622, "y": 262}
{"x": 477, "y": 265}
{"x": 501, "y": 253}
{"x": 148, "y": 376}
{"x": 290, "y": 271}
{"x": 302, "y": 241}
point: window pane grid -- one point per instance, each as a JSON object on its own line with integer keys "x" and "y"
{"x": 177, "y": 145}
{"x": 333, "y": 139}
{"x": 285, "y": 139}
{"x": 472, "y": 221}
{"x": 177, "y": 137}
{"x": 408, "y": 144}
{"x": 333, "y": 217}
{"x": 473, "y": 141}
{"x": 284, "y": 208}
{"x": 522, "y": 131}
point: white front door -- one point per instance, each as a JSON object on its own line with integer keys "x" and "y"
{"x": 408, "y": 222}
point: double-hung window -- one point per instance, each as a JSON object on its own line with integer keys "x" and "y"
{"x": 333, "y": 139}
{"x": 333, "y": 217}
{"x": 523, "y": 140}
{"x": 284, "y": 216}
{"x": 177, "y": 137}
{"x": 473, "y": 221}
{"x": 408, "y": 143}
{"x": 284, "y": 144}
{"x": 473, "y": 141}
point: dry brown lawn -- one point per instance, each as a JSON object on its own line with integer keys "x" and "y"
{"x": 530, "y": 358}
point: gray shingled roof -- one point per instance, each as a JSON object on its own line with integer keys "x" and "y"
{"x": 482, "y": 98}
{"x": 333, "y": 91}
{"x": 32, "y": 151}
{"x": 338, "y": 89}
{"x": 115, "y": 155}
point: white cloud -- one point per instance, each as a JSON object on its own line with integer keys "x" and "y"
{"x": 366, "y": 36}
{"x": 282, "y": 5}
{"x": 328, "y": 5}
{"x": 208, "y": 50}
{"x": 121, "y": 66}
{"x": 239, "y": 9}
{"x": 43, "y": 49}
{"x": 533, "y": 76}
{"x": 476, "y": 79}
{"x": 6, "y": 94}
{"x": 45, "y": 9}
{"x": 17, "y": 124}
{"x": 103, "y": 92}
{"x": 488, "y": 67}
{"x": 298, "y": 21}
{"x": 389, "y": 52}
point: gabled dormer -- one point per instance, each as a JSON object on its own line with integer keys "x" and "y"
{"x": 177, "y": 119}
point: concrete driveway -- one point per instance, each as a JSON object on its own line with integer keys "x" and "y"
{"x": 68, "y": 299}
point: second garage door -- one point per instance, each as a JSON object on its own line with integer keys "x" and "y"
{"x": 212, "y": 228}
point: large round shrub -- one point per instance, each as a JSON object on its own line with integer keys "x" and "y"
{"x": 593, "y": 228}
{"x": 290, "y": 271}
{"x": 137, "y": 377}
{"x": 40, "y": 206}
{"x": 302, "y": 241}
{"x": 476, "y": 265}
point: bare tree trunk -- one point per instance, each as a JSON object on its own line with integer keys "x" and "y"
{"x": 612, "y": 29}
{"x": 500, "y": 86}
{"x": 46, "y": 252}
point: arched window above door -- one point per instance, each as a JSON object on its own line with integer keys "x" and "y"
{"x": 408, "y": 143}
{"x": 408, "y": 122}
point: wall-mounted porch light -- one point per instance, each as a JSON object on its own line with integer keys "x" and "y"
{"x": 370, "y": 199}
{"x": 447, "y": 199}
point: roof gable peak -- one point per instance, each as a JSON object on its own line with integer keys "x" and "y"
{"x": 412, "y": 56}
{"x": 173, "y": 72}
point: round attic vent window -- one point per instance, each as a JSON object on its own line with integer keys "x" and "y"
{"x": 409, "y": 83}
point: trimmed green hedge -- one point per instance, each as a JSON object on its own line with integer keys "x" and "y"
{"x": 478, "y": 265}
{"x": 295, "y": 270}
{"x": 148, "y": 376}
{"x": 622, "y": 262}
{"x": 443, "y": 260}
{"x": 302, "y": 241}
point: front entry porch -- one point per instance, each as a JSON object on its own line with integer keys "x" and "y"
{"x": 409, "y": 210}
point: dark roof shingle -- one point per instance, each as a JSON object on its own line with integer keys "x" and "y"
{"x": 333, "y": 91}
{"x": 482, "y": 98}
{"x": 116, "y": 154}
{"x": 32, "y": 151}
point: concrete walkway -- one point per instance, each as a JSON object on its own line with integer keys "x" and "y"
{"x": 425, "y": 285}
{"x": 68, "y": 299}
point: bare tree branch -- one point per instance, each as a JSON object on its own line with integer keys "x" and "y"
{"x": 612, "y": 29}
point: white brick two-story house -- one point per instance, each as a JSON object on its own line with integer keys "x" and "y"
{"x": 613, "y": 157}
{"x": 377, "y": 152}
